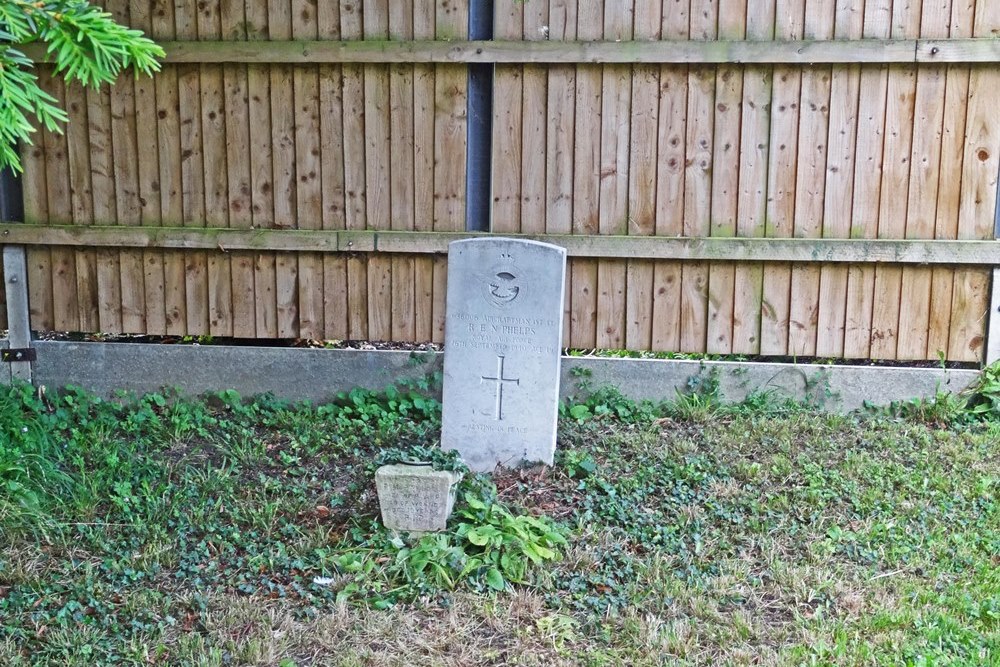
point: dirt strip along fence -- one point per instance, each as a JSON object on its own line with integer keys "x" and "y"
{"x": 774, "y": 177}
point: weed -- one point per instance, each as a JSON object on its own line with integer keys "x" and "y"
{"x": 818, "y": 390}
{"x": 983, "y": 398}
{"x": 978, "y": 404}
{"x": 421, "y": 453}
{"x": 607, "y": 402}
{"x": 488, "y": 547}
{"x": 700, "y": 399}
{"x": 943, "y": 410}
{"x": 501, "y": 545}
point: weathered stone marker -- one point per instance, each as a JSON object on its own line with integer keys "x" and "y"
{"x": 503, "y": 334}
{"x": 415, "y": 498}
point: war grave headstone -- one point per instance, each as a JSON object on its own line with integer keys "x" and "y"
{"x": 503, "y": 336}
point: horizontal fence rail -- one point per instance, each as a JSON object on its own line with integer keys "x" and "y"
{"x": 972, "y": 50}
{"x": 856, "y": 251}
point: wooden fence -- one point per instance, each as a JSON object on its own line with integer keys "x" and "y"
{"x": 775, "y": 177}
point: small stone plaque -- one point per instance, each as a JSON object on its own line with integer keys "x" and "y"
{"x": 503, "y": 337}
{"x": 415, "y": 499}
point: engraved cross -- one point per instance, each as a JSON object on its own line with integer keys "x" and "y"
{"x": 500, "y": 380}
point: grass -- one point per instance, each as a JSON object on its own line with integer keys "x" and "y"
{"x": 222, "y": 531}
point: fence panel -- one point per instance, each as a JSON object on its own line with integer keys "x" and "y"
{"x": 874, "y": 149}
{"x": 758, "y": 158}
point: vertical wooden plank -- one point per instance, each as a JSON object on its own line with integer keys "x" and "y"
{"x": 33, "y": 186}
{"x": 34, "y": 189}
{"x": 36, "y": 261}
{"x": 559, "y": 158}
{"x": 644, "y": 123}
{"x": 82, "y": 203}
{"x": 450, "y": 129}
{"x": 781, "y": 181}
{"x": 925, "y": 163}
{"x": 450, "y": 92}
{"x": 993, "y": 325}
{"x": 192, "y": 173}
{"x": 126, "y": 178}
{"x": 403, "y": 299}
{"x": 814, "y": 108}
{"x": 377, "y": 172}
{"x": 559, "y": 144}
{"x": 78, "y": 144}
{"x": 698, "y": 184}
{"x": 168, "y": 133}
{"x": 439, "y": 284}
{"x": 507, "y": 123}
{"x": 332, "y": 173}
{"x": 949, "y": 182}
{"x": 401, "y": 137}
{"x": 354, "y": 172}
{"x": 238, "y": 165}
{"x": 586, "y": 180}
{"x": 697, "y": 206}
{"x": 868, "y": 167}
{"x": 308, "y": 168}
{"x": 40, "y": 288}
{"x": 561, "y": 106}
{"x": 970, "y": 302}
{"x": 213, "y": 122}
{"x": 425, "y": 325}
{"x": 725, "y": 180}
{"x": 676, "y": 20}
{"x": 900, "y": 96}
{"x": 286, "y": 269}
{"x": 261, "y": 160}
{"x": 844, "y": 91}
{"x": 63, "y": 279}
{"x": 752, "y": 204}
{"x": 979, "y": 172}
{"x": 283, "y": 113}
{"x": 534, "y": 124}
{"x": 105, "y": 208}
{"x": 670, "y": 176}
{"x": 148, "y": 174}
{"x": 423, "y": 288}
{"x": 616, "y": 102}
{"x": 981, "y": 159}
{"x": 65, "y": 307}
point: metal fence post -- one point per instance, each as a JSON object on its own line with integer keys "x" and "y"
{"x": 479, "y": 110}
{"x": 15, "y": 276}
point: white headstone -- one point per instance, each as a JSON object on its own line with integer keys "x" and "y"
{"x": 503, "y": 336}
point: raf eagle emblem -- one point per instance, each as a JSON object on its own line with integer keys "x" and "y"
{"x": 502, "y": 283}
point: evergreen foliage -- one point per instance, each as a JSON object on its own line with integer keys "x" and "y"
{"x": 83, "y": 42}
